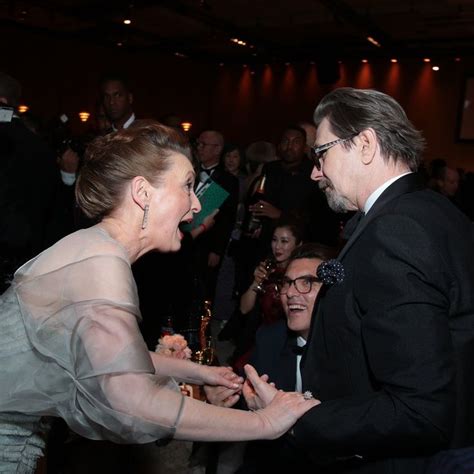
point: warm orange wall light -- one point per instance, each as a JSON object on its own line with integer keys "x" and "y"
{"x": 84, "y": 116}
{"x": 364, "y": 79}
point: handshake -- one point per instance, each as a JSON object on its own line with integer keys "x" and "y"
{"x": 257, "y": 390}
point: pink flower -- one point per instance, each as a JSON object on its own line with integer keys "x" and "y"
{"x": 173, "y": 346}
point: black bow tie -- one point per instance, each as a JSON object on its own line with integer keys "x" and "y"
{"x": 208, "y": 170}
{"x": 298, "y": 350}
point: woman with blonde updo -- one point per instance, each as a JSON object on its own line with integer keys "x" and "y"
{"x": 70, "y": 346}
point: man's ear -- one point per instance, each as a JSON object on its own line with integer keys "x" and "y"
{"x": 130, "y": 98}
{"x": 368, "y": 145}
{"x": 141, "y": 191}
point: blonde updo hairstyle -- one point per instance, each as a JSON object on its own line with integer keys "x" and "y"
{"x": 143, "y": 149}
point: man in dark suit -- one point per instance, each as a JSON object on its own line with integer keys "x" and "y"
{"x": 210, "y": 246}
{"x": 277, "y": 353}
{"x": 29, "y": 181}
{"x": 391, "y": 345}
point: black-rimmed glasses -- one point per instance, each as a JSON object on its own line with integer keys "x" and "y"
{"x": 303, "y": 284}
{"x": 317, "y": 152}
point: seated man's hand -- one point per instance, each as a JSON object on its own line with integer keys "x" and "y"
{"x": 257, "y": 391}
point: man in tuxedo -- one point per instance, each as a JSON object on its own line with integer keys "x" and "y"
{"x": 391, "y": 346}
{"x": 277, "y": 353}
{"x": 29, "y": 182}
{"x": 117, "y": 100}
{"x": 210, "y": 246}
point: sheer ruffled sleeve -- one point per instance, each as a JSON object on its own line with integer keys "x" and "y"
{"x": 89, "y": 363}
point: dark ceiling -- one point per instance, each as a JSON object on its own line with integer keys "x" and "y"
{"x": 288, "y": 30}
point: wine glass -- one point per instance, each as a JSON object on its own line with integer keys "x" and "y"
{"x": 269, "y": 265}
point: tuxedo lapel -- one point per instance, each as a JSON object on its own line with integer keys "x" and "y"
{"x": 406, "y": 184}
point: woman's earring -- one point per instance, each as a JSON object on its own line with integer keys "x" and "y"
{"x": 145, "y": 216}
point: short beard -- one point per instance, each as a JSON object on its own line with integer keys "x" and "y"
{"x": 336, "y": 202}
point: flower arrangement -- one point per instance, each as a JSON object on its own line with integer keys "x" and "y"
{"x": 174, "y": 345}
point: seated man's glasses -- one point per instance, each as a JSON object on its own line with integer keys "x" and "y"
{"x": 303, "y": 284}
{"x": 318, "y": 152}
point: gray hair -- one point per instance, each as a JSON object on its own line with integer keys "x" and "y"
{"x": 350, "y": 111}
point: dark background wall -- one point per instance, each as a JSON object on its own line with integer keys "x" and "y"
{"x": 247, "y": 103}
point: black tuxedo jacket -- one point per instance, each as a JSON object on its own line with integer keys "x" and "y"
{"x": 29, "y": 183}
{"x": 273, "y": 355}
{"x": 391, "y": 348}
{"x": 217, "y": 238}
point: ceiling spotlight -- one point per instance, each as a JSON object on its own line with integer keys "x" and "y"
{"x": 427, "y": 60}
{"x": 435, "y": 68}
{"x": 393, "y": 60}
{"x": 365, "y": 61}
{"x": 127, "y": 21}
{"x": 373, "y": 41}
{"x": 23, "y": 108}
{"x": 238, "y": 41}
{"x": 244, "y": 65}
{"x": 119, "y": 44}
{"x": 457, "y": 60}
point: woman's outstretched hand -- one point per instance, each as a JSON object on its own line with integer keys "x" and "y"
{"x": 221, "y": 376}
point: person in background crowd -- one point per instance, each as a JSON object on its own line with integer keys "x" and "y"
{"x": 256, "y": 155}
{"x": 102, "y": 124}
{"x": 225, "y": 299}
{"x": 209, "y": 248}
{"x": 310, "y": 130}
{"x": 288, "y": 189}
{"x": 117, "y": 99}
{"x": 444, "y": 179}
{"x": 29, "y": 184}
{"x": 260, "y": 304}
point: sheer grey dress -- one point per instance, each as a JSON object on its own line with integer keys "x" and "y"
{"x": 70, "y": 347}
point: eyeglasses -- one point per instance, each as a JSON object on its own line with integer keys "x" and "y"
{"x": 203, "y": 144}
{"x": 317, "y": 152}
{"x": 303, "y": 284}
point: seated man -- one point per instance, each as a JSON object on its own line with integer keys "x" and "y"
{"x": 278, "y": 352}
